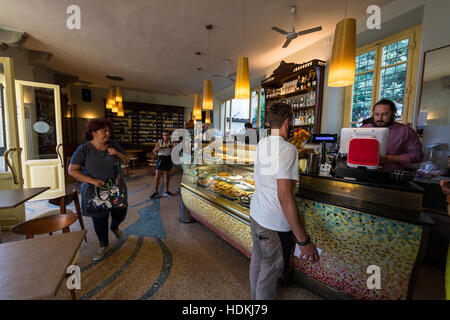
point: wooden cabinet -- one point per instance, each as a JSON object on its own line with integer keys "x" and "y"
{"x": 300, "y": 86}
{"x": 143, "y": 123}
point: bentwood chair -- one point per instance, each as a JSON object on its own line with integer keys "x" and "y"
{"x": 48, "y": 224}
{"x": 63, "y": 202}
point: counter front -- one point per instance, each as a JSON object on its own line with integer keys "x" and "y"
{"x": 369, "y": 234}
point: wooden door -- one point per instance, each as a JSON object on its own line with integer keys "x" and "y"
{"x": 40, "y": 132}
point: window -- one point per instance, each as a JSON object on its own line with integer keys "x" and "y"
{"x": 386, "y": 69}
{"x": 242, "y": 111}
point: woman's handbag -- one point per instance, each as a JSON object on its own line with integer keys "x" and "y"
{"x": 109, "y": 196}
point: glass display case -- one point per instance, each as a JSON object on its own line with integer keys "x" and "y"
{"x": 218, "y": 192}
{"x": 230, "y": 186}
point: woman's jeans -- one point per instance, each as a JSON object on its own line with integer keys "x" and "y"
{"x": 101, "y": 224}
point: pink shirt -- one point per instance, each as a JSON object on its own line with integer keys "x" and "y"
{"x": 404, "y": 142}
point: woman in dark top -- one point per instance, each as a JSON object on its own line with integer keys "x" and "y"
{"x": 164, "y": 164}
{"x": 93, "y": 163}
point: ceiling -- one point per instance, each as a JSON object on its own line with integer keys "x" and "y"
{"x": 151, "y": 43}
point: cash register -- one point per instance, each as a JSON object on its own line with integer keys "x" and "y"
{"x": 362, "y": 149}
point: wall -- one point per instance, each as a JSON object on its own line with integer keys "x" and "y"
{"x": 23, "y": 70}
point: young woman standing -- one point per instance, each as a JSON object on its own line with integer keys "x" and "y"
{"x": 163, "y": 164}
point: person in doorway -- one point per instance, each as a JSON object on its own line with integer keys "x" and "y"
{"x": 274, "y": 216}
{"x": 163, "y": 164}
{"x": 403, "y": 146}
{"x": 251, "y": 134}
{"x": 93, "y": 163}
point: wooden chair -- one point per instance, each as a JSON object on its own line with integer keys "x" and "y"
{"x": 63, "y": 202}
{"x": 48, "y": 224}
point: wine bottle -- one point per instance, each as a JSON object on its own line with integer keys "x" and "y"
{"x": 299, "y": 83}
{"x": 308, "y": 84}
{"x": 314, "y": 81}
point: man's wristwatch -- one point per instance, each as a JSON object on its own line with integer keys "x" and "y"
{"x": 304, "y": 243}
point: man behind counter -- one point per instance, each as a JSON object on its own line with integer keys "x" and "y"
{"x": 403, "y": 146}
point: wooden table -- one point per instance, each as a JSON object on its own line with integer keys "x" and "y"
{"x": 12, "y": 198}
{"x": 35, "y": 268}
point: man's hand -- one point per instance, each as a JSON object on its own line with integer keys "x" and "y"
{"x": 112, "y": 151}
{"x": 309, "y": 253}
{"x": 97, "y": 183}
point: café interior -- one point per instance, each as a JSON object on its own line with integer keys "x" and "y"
{"x": 210, "y": 68}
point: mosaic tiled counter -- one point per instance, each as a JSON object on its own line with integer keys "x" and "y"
{"x": 232, "y": 226}
{"x": 355, "y": 234}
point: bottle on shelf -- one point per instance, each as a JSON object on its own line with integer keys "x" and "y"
{"x": 314, "y": 80}
{"x": 308, "y": 82}
{"x": 299, "y": 84}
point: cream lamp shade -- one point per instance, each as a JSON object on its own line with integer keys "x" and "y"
{"x": 207, "y": 103}
{"x": 115, "y": 108}
{"x": 198, "y": 116}
{"x": 207, "y": 117}
{"x": 343, "y": 58}
{"x": 111, "y": 97}
{"x": 242, "y": 87}
{"x": 108, "y": 105}
{"x": 197, "y": 105}
{"x": 119, "y": 97}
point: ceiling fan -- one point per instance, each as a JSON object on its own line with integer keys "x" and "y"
{"x": 292, "y": 35}
{"x": 229, "y": 76}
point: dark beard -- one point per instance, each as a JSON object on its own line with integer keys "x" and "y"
{"x": 381, "y": 124}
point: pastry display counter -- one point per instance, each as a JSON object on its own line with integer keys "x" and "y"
{"x": 218, "y": 196}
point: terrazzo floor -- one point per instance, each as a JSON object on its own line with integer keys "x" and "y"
{"x": 162, "y": 258}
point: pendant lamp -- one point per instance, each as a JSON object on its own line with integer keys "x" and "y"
{"x": 343, "y": 58}
{"x": 111, "y": 97}
{"x": 108, "y": 105}
{"x": 207, "y": 103}
{"x": 197, "y": 110}
{"x": 119, "y": 97}
{"x": 120, "y": 112}
{"x": 242, "y": 87}
{"x": 207, "y": 118}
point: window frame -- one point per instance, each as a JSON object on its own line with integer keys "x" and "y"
{"x": 414, "y": 35}
{"x": 226, "y": 128}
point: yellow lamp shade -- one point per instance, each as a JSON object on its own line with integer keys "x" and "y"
{"x": 207, "y": 103}
{"x": 197, "y": 105}
{"x": 343, "y": 58}
{"x": 119, "y": 97}
{"x": 242, "y": 87}
{"x": 115, "y": 108}
{"x": 111, "y": 97}
{"x": 120, "y": 112}
{"x": 109, "y": 106}
{"x": 207, "y": 118}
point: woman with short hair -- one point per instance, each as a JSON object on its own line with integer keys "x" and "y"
{"x": 94, "y": 163}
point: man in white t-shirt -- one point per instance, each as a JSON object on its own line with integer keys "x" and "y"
{"x": 274, "y": 214}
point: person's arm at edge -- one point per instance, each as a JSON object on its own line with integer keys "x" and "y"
{"x": 156, "y": 148}
{"x": 290, "y": 210}
{"x": 76, "y": 172}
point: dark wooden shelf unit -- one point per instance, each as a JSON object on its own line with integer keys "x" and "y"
{"x": 143, "y": 123}
{"x": 287, "y": 72}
